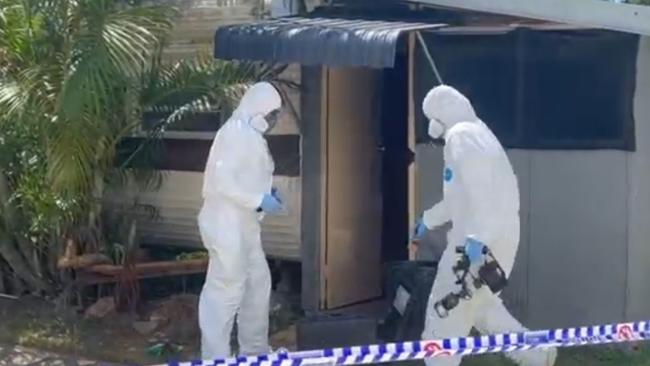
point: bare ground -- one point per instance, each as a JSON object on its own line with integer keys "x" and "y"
{"x": 35, "y": 333}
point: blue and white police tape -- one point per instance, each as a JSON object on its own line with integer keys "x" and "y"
{"x": 403, "y": 351}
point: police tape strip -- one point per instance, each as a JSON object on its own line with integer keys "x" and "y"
{"x": 403, "y": 351}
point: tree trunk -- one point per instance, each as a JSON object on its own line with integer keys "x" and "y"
{"x": 19, "y": 266}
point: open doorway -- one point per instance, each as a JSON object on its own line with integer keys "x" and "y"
{"x": 396, "y": 159}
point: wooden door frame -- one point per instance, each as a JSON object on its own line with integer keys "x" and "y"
{"x": 314, "y": 185}
{"x": 413, "y": 188}
{"x": 314, "y": 176}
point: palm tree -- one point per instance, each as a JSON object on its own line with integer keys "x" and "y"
{"x": 75, "y": 79}
{"x": 65, "y": 68}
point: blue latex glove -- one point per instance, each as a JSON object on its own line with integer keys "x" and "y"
{"x": 275, "y": 194}
{"x": 420, "y": 230}
{"x": 474, "y": 250}
{"x": 270, "y": 204}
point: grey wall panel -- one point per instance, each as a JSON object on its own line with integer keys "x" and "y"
{"x": 429, "y": 164}
{"x": 516, "y": 294}
{"x": 638, "y": 302}
{"x": 578, "y": 252}
{"x": 571, "y": 263}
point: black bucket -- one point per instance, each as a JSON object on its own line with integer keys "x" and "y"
{"x": 335, "y": 330}
{"x": 408, "y": 284}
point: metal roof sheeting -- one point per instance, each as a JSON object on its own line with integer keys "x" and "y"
{"x": 505, "y": 28}
{"x": 315, "y": 41}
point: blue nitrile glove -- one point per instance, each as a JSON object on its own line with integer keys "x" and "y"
{"x": 275, "y": 194}
{"x": 420, "y": 230}
{"x": 270, "y": 204}
{"x": 474, "y": 250}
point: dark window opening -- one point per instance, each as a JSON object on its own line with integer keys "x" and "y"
{"x": 486, "y": 77}
{"x": 396, "y": 158}
{"x": 194, "y": 122}
{"x": 580, "y": 89}
{"x": 541, "y": 89}
{"x": 190, "y": 155}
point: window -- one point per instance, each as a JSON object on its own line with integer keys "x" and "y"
{"x": 579, "y": 89}
{"x": 195, "y": 122}
{"x": 481, "y": 67}
{"x": 541, "y": 89}
{"x": 185, "y": 145}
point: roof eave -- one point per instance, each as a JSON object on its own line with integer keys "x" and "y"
{"x": 627, "y": 18}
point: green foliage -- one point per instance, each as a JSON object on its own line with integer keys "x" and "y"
{"x": 23, "y": 159}
{"x": 75, "y": 79}
{"x": 66, "y": 72}
{"x": 199, "y": 254}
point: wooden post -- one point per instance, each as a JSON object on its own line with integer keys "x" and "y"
{"x": 324, "y": 144}
{"x": 314, "y": 174}
{"x": 412, "y": 169}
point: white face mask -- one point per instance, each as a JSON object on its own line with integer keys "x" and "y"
{"x": 265, "y": 124}
{"x": 436, "y": 129}
{"x": 272, "y": 119}
{"x": 259, "y": 123}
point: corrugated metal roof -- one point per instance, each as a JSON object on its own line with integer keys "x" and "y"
{"x": 315, "y": 41}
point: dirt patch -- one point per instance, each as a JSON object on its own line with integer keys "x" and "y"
{"x": 117, "y": 338}
{"x": 35, "y": 323}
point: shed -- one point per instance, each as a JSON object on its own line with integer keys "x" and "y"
{"x": 567, "y": 101}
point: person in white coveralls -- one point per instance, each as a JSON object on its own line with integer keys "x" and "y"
{"x": 481, "y": 199}
{"x": 237, "y": 192}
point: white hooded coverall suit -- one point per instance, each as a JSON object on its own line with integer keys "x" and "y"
{"x": 481, "y": 199}
{"x": 238, "y": 173}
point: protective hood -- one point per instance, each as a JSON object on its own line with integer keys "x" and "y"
{"x": 448, "y": 106}
{"x": 258, "y": 101}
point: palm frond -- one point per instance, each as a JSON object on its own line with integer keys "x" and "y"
{"x": 70, "y": 75}
{"x": 13, "y": 98}
{"x": 199, "y": 85}
{"x": 72, "y": 158}
{"x": 111, "y": 47}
